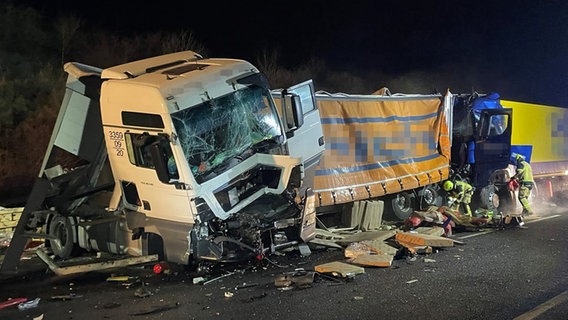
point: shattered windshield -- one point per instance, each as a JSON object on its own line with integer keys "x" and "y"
{"x": 220, "y": 130}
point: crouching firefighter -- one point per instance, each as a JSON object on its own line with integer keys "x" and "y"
{"x": 524, "y": 178}
{"x": 462, "y": 192}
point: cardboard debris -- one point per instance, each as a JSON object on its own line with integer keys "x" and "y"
{"x": 326, "y": 243}
{"x": 373, "y": 260}
{"x": 457, "y": 218}
{"x": 356, "y": 249}
{"x": 424, "y": 239}
{"x": 326, "y": 234}
{"x": 434, "y": 231}
{"x": 338, "y": 268}
{"x": 364, "y": 215}
{"x": 415, "y": 249}
{"x": 368, "y": 235}
{"x": 379, "y": 247}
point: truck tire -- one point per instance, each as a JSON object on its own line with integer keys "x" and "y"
{"x": 402, "y": 204}
{"x": 430, "y": 196}
{"x": 489, "y": 198}
{"x": 63, "y": 229}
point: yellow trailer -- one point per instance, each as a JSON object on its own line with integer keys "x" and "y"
{"x": 540, "y": 133}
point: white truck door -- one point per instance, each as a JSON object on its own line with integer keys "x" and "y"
{"x": 305, "y": 140}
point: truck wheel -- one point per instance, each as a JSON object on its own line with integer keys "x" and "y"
{"x": 62, "y": 228}
{"x": 431, "y": 196}
{"x": 489, "y": 198}
{"x": 402, "y": 204}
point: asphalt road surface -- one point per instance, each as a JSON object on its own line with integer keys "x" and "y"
{"x": 515, "y": 273}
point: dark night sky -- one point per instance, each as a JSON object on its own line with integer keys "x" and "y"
{"x": 517, "y": 48}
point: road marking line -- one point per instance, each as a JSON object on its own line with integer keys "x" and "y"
{"x": 543, "y": 307}
{"x": 493, "y": 230}
{"x": 477, "y": 234}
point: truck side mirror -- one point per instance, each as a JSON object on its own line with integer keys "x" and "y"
{"x": 160, "y": 162}
{"x": 294, "y": 112}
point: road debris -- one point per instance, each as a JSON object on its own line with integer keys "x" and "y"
{"x": 339, "y": 269}
{"x": 301, "y": 278}
{"x": 199, "y": 280}
{"x": 111, "y": 305}
{"x": 223, "y": 276}
{"x": 161, "y": 267}
{"x": 61, "y": 270}
{"x": 120, "y": 278}
{"x": 157, "y": 309}
{"x": 12, "y": 302}
{"x": 66, "y": 297}
{"x": 29, "y": 304}
{"x": 142, "y": 292}
{"x": 254, "y": 298}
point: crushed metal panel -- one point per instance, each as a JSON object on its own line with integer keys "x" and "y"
{"x": 95, "y": 266}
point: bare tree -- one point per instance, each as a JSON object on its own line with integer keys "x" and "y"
{"x": 182, "y": 41}
{"x": 67, "y": 27}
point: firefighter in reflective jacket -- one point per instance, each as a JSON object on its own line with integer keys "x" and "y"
{"x": 461, "y": 191}
{"x": 524, "y": 177}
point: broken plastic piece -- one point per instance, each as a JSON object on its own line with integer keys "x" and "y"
{"x": 29, "y": 305}
{"x": 161, "y": 267}
{"x": 142, "y": 293}
{"x": 119, "y": 278}
{"x": 12, "y": 302}
{"x": 198, "y": 280}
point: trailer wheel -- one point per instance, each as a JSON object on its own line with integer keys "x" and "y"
{"x": 62, "y": 228}
{"x": 430, "y": 196}
{"x": 402, "y": 204}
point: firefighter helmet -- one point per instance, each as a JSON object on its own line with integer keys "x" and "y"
{"x": 448, "y": 185}
{"x": 519, "y": 157}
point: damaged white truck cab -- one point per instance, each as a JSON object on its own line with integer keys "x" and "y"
{"x": 178, "y": 155}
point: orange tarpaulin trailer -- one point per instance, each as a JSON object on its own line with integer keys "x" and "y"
{"x": 377, "y": 145}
